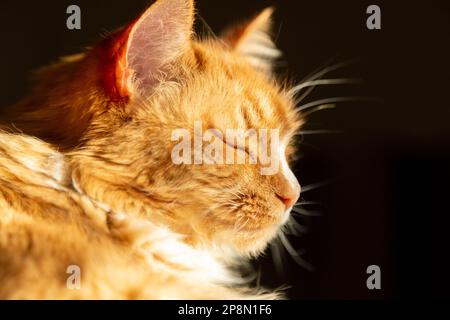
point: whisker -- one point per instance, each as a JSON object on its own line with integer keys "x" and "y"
{"x": 294, "y": 254}
{"x": 277, "y": 256}
{"x": 325, "y": 70}
{"x": 297, "y": 100}
{"x": 207, "y": 27}
{"x": 258, "y": 278}
{"x": 319, "y": 108}
{"x": 318, "y": 75}
{"x": 314, "y": 83}
{"x": 290, "y": 230}
{"x": 309, "y": 132}
{"x": 302, "y": 203}
{"x": 295, "y": 227}
{"x": 334, "y": 100}
{"x": 250, "y": 277}
{"x": 313, "y": 186}
{"x": 307, "y": 213}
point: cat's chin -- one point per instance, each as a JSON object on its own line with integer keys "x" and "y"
{"x": 286, "y": 216}
{"x": 252, "y": 243}
{"x": 256, "y": 241}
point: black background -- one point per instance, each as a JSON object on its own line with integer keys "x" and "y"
{"x": 388, "y": 203}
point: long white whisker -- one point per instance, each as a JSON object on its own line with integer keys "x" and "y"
{"x": 296, "y": 227}
{"x": 319, "y": 75}
{"x": 250, "y": 277}
{"x": 309, "y": 132}
{"x": 307, "y": 213}
{"x": 302, "y": 203}
{"x": 290, "y": 229}
{"x": 334, "y": 100}
{"x": 277, "y": 256}
{"x": 319, "y": 108}
{"x": 258, "y": 278}
{"x": 304, "y": 95}
{"x": 207, "y": 28}
{"x": 326, "y": 70}
{"x": 315, "y": 185}
{"x": 313, "y": 83}
{"x": 294, "y": 254}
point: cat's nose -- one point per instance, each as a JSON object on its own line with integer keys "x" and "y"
{"x": 289, "y": 193}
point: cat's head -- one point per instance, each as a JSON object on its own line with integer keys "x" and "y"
{"x": 134, "y": 98}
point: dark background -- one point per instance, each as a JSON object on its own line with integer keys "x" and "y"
{"x": 388, "y": 202}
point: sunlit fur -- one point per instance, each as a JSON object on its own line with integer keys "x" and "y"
{"x": 103, "y": 193}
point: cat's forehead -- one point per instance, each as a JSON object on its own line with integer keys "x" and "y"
{"x": 238, "y": 94}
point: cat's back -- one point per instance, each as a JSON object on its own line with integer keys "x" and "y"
{"x": 34, "y": 180}
{"x": 45, "y": 227}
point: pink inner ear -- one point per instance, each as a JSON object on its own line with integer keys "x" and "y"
{"x": 155, "y": 40}
{"x": 139, "y": 53}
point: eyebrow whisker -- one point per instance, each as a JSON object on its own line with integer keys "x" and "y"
{"x": 334, "y": 100}
{"x": 314, "y": 83}
{"x": 318, "y": 75}
{"x": 319, "y": 108}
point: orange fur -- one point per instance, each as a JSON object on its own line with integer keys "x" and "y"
{"x": 111, "y": 200}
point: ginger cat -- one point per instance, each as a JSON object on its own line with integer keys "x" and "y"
{"x": 88, "y": 179}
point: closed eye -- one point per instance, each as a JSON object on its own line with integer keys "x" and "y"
{"x": 231, "y": 143}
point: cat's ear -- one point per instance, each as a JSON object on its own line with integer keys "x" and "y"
{"x": 253, "y": 40}
{"x": 135, "y": 57}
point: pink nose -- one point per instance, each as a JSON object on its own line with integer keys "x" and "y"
{"x": 289, "y": 200}
{"x": 289, "y": 195}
